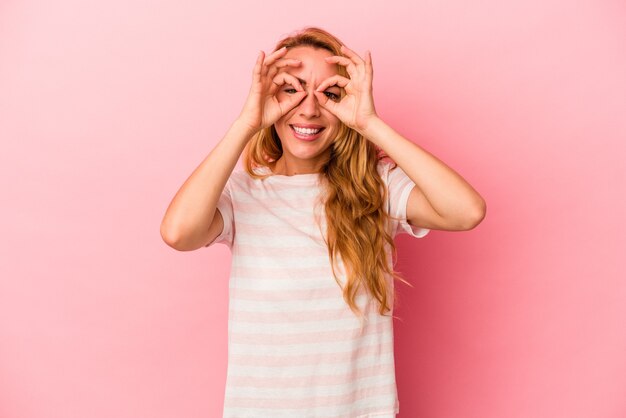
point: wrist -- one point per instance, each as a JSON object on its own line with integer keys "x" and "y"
{"x": 371, "y": 125}
{"x": 244, "y": 128}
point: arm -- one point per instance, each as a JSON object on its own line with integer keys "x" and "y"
{"x": 442, "y": 199}
{"x": 190, "y": 222}
{"x": 187, "y": 221}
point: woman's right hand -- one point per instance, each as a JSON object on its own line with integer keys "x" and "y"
{"x": 262, "y": 108}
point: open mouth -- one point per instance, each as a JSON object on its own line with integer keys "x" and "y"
{"x": 306, "y": 134}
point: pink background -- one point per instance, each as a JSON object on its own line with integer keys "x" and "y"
{"x": 107, "y": 107}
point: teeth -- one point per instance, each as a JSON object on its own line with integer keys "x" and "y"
{"x": 306, "y": 131}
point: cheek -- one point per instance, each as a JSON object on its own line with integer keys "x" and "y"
{"x": 282, "y": 131}
{"x": 334, "y": 123}
{"x": 283, "y": 123}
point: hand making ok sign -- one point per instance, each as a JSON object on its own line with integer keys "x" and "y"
{"x": 356, "y": 108}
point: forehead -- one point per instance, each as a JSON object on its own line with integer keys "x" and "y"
{"x": 313, "y": 66}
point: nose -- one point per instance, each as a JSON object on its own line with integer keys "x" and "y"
{"x": 309, "y": 106}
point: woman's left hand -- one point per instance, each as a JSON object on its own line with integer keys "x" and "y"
{"x": 356, "y": 108}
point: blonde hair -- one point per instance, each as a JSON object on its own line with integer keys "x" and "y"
{"x": 355, "y": 211}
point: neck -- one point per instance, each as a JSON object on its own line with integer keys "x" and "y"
{"x": 285, "y": 167}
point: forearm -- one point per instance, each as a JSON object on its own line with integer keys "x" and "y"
{"x": 192, "y": 209}
{"x": 447, "y": 192}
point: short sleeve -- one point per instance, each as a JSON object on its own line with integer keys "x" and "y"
{"x": 399, "y": 186}
{"x": 225, "y": 206}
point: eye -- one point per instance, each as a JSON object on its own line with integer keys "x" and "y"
{"x": 331, "y": 96}
{"x": 290, "y": 90}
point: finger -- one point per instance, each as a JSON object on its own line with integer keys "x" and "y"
{"x": 283, "y": 64}
{"x": 343, "y": 61}
{"x": 351, "y": 54}
{"x": 273, "y": 57}
{"x": 336, "y": 80}
{"x": 325, "y": 101}
{"x": 256, "y": 72}
{"x": 283, "y": 79}
{"x": 369, "y": 68}
{"x": 339, "y": 59}
{"x": 288, "y": 62}
{"x": 291, "y": 80}
{"x": 291, "y": 101}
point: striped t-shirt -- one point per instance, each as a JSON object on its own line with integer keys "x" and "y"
{"x": 295, "y": 349}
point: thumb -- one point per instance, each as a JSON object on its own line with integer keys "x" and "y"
{"x": 326, "y": 102}
{"x": 292, "y": 101}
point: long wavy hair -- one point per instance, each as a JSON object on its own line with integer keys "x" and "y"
{"x": 355, "y": 210}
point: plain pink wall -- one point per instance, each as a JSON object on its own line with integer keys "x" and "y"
{"x": 107, "y": 107}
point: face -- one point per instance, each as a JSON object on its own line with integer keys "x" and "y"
{"x": 303, "y": 147}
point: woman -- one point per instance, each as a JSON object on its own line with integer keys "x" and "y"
{"x": 311, "y": 222}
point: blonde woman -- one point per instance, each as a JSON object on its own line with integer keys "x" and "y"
{"x": 310, "y": 221}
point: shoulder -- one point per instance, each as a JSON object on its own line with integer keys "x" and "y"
{"x": 240, "y": 175}
{"x": 384, "y": 167}
{"x": 241, "y": 180}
